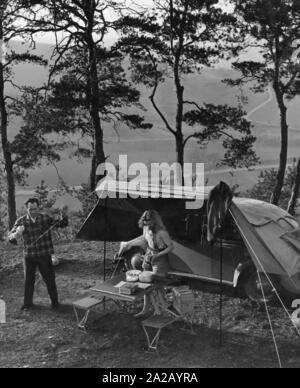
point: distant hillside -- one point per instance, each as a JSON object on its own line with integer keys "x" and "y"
{"x": 157, "y": 144}
{"x": 204, "y": 87}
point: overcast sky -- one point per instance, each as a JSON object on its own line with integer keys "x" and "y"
{"x": 50, "y": 39}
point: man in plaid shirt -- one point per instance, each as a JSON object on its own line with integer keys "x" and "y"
{"x": 36, "y": 230}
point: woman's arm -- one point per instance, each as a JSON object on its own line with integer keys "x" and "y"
{"x": 137, "y": 242}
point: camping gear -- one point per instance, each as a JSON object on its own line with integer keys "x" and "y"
{"x": 218, "y": 204}
{"x": 133, "y": 275}
{"x": 137, "y": 261}
{"x": 128, "y": 288}
{"x": 146, "y": 277}
{"x": 183, "y": 299}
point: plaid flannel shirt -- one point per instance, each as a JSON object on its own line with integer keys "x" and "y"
{"x": 37, "y": 236}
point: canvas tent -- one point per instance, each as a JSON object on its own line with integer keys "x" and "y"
{"x": 265, "y": 229}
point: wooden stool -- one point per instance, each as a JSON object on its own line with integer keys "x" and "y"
{"x": 157, "y": 322}
{"x": 85, "y": 304}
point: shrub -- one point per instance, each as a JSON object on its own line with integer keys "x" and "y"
{"x": 87, "y": 199}
{"x": 266, "y": 182}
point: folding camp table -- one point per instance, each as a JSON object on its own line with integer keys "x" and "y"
{"x": 99, "y": 293}
{"x": 108, "y": 290}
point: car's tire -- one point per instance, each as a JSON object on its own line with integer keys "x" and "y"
{"x": 250, "y": 283}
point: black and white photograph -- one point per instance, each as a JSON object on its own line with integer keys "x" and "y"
{"x": 149, "y": 187}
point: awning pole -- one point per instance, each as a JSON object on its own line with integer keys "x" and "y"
{"x": 104, "y": 262}
{"x": 105, "y": 240}
{"x": 221, "y": 293}
{"x": 104, "y": 248}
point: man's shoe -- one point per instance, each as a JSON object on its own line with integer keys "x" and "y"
{"x": 55, "y": 306}
{"x": 27, "y": 307}
{"x": 62, "y": 308}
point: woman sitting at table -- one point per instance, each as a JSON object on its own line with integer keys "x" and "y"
{"x": 157, "y": 242}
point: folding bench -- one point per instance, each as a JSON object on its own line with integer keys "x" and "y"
{"x": 85, "y": 304}
{"x": 156, "y": 323}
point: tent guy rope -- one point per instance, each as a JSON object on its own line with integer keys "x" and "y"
{"x": 270, "y": 321}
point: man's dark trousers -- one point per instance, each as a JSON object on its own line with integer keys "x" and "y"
{"x": 44, "y": 264}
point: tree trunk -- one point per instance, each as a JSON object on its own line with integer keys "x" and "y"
{"x": 10, "y": 178}
{"x": 99, "y": 156}
{"x": 93, "y": 173}
{"x": 179, "y": 87}
{"x": 94, "y": 104}
{"x": 180, "y": 150}
{"x": 283, "y": 152}
{"x": 180, "y": 156}
{"x": 179, "y": 117}
{"x": 295, "y": 193}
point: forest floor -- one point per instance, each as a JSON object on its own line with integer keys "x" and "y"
{"x": 46, "y": 338}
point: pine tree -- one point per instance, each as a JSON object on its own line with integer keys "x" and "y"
{"x": 173, "y": 40}
{"x": 17, "y": 20}
{"x": 273, "y": 28}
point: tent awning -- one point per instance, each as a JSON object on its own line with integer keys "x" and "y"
{"x": 116, "y": 219}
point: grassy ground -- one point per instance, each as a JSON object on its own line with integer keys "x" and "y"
{"x": 44, "y": 338}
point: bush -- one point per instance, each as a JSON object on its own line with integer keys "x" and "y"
{"x": 266, "y": 183}
{"x": 48, "y": 198}
{"x": 87, "y": 199}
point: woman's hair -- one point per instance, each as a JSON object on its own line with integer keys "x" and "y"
{"x": 152, "y": 215}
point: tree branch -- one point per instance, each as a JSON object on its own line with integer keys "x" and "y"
{"x": 152, "y": 96}
{"x": 188, "y": 138}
